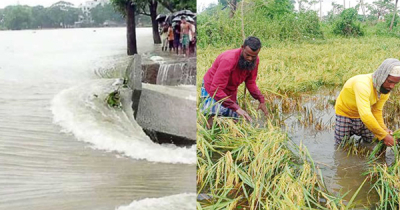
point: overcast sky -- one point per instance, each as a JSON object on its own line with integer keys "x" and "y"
{"x": 326, "y": 4}
{"x": 45, "y": 3}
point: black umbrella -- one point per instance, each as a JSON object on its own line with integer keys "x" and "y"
{"x": 184, "y": 12}
{"x": 161, "y": 17}
{"x": 178, "y": 19}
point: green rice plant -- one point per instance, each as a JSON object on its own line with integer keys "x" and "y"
{"x": 386, "y": 181}
{"x": 353, "y": 146}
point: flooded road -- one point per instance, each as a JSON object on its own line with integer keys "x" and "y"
{"x": 43, "y": 163}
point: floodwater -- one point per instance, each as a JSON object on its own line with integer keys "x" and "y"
{"x": 342, "y": 173}
{"x": 61, "y": 147}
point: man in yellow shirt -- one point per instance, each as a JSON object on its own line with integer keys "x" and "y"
{"x": 359, "y": 105}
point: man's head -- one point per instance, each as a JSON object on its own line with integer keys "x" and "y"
{"x": 248, "y": 56}
{"x": 386, "y": 76}
{"x": 391, "y": 80}
{"x": 183, "y": 19}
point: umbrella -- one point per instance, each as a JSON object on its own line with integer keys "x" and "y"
{"x": 184, "y": 12}
{"x": 178, "y": 19}
{"x": 161, "y": 17}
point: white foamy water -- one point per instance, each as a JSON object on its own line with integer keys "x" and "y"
{"x": 95, "y": 157}
{"x": 182, "y": 201}
{"x": 89, "y": 118}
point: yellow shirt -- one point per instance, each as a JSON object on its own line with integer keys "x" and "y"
{"x": 359, "y": 99}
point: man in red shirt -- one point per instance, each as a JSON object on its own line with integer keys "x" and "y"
{"x": 222, "y": 80}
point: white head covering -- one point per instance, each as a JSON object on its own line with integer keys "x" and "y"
{"x": 395, "y": 72}
{"x": 381, "y": 74}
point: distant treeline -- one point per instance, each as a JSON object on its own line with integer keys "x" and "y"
{"x": 62, "y": 15}
{"x": 228, "y": 21}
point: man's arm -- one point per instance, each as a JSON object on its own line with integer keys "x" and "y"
{"x": 253, "y": 89}
{"x": 219, "y": 83}
{"x": 362, "y": 93}
{"x": 377, "y": 110}
{"x": 252, "y": 86}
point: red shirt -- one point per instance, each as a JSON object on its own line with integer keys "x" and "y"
{"x": 224, "y": 77}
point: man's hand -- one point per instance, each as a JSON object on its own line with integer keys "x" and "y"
{"x": 244, "y": 114}
{"x": 263, "y": 108}
{"x": 389, "y": 131}
{"x": 388, "y": 140}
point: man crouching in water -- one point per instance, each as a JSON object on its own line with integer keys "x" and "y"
{"x": 229, "y": 70}
{"x": 360, "y": 103}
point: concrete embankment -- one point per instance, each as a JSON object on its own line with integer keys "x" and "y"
{"x": 166, "y": 113}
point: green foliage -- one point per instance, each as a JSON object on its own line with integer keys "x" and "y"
{"x": 102, "y": 13}
{"x": 274, "y": 8}
{"x": 215, "y": 27}
{"x": 380, "y": 7}
{"x": 61, "y": 14}
{"x": 17, "y": 17}
{"x": 113, "y": 99}
{"x": 388, "y": 20}
{"x": 347, "y": 24}
{"x": 120, "y": 5}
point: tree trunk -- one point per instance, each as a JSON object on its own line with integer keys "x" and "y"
{"x": 394, "y": 15}
{"x": 131, "y": 28}
{"x": 363, "y": 8}
{"x": 233, "y": 7}
{"x": 154, "y": 23}
{"x": 299, "y": 5}
{"x": 320, "y": 10}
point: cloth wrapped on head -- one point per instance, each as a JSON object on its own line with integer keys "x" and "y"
{"x": 390, "y": 66}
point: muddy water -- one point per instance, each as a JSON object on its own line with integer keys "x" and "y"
{"x": 61, "y": 147}
{"x": 313, "y": 126}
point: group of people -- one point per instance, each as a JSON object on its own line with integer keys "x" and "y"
{"x": 179, "y": 37}
{"x": 358, "y": 107}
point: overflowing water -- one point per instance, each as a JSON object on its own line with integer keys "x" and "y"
{"x": 180, "y": 201}
{"x": 175, "y": 74}
{"x": 61, "y": 146}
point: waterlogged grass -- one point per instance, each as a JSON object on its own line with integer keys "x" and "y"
{"x": 244, "y": 167}
{"x": 307, "y": 66}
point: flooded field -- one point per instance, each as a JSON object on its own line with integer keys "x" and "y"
{"x": 309, "y": 119}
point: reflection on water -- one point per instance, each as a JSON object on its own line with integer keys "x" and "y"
{"x": 42, "y": 166}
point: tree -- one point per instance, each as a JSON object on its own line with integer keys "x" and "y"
{"x": 149, "y": 8}
{"x": 17, "y": 17}
{"x": 305, "y": 5}
{"x": 394, "y": 15}
{"x": 347, "y": 24}
{"x": 232, "y": 4}
{"x": 380, "y": 8}
{"x": 276, "y": 8}
{"x": 176, "y": 5}
{"x": 39, "y": 17}
{"x": 102, "y": 13}
{"x": 128, "y": 9}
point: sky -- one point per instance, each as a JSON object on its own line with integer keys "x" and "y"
{"x": 45, "y": 3}
{"x": 326, "y": 4}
